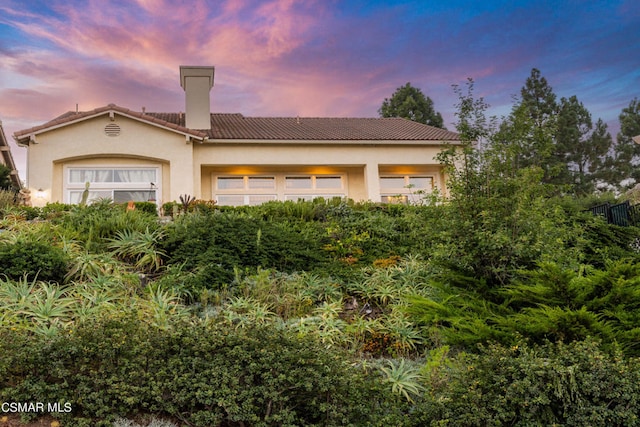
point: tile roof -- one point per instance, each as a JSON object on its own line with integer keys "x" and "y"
{"x": 238, "y": 127}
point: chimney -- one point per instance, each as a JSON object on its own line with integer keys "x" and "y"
{"x": 197, "y": 83}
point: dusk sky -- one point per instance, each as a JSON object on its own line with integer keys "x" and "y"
{"x": 310, "y": 57}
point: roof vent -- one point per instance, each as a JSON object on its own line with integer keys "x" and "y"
{"x": 112, "y": 129}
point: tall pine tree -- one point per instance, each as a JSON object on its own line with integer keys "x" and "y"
{"x": 627, "y": 152}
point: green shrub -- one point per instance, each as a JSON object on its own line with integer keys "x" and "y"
{"x": 147, "y": 207}
{"x": 7, "y": 200}
{"x": 33, "y": 258}
{"x": 96, "y": 223}
{"x": 213, "y": 244}
{"x": 556, "y": 384}
{"x": 203, "y": 374}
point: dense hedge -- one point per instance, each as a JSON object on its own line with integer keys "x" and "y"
{"x": 215, "y": 243}
{"x": 205, "y": 375}
{"x": 573, "y": 384}
{"x": 327, "y": 237}
{"x": 208, "y": 375}
{"x": 32, "y": 259}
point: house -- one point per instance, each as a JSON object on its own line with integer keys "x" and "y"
{"x": 232, "y": 159}
{"x": 6, "y": 159}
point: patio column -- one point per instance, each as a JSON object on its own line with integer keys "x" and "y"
{"x": 372, "y": 181}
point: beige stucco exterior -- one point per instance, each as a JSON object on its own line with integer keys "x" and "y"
{"x": 165, "y": 155}
{"x": 86, "y": 144}
{"x": 360, "y": 163}
{"x": 191, "y": 166}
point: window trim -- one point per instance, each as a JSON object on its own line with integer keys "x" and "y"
{"x": 403, "y": 194}
{"x": 74, "y": 187}
{"x": 279, "y": 191}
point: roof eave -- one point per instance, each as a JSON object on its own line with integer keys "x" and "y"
{"x": 23, "y": 139}
{"x": 333, "y": 141}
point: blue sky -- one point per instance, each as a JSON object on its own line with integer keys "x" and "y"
{"x": 310, "y": 57}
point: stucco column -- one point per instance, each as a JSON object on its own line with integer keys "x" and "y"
{"x": 197, "y": 181}
{"x": 181, "y": 178}
{"x": 372, "y": 181}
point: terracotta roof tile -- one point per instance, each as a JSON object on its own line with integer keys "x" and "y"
{"x": 239, "y": 127}
{"x": 235, "y": 126}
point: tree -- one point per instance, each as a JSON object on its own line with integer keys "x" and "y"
{"x": 539, "y": 99}
{"x": 626, "y": 151}
{"x": 410, "y": 103}
{"x": 497, "y": 219}
{"x": 559, "y": 137}
{"x": 5, "y": 178}
{"x": 535, "y": 121}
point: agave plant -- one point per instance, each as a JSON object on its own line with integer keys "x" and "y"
{"x": 243, "y": 312}
{"x": 330, "y": 328}
{"x": 360, "y": 326}
{"x": 139, "y": 248}
{"x": 49, "y": 304}
{"x": 403, "y": 377}
{"x": 15, "y": 295}
{"x": 94, "y": 298}
{"x": 406, "y": 337}
{"x": 86, "y": 266}
{"x": 320, "y": 289}
{"x": 162, "y": 306}
{"x": 331, "y": 332}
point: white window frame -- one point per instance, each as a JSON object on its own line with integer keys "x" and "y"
{"x": 406, "y": 193}
{"x": 313, "y": 189}
{"x": 247, "y": 193}
{"x": 279, "y": 191}
{"x": 108, "y": 189}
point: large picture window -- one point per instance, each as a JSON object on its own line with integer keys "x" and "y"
{"x": 121, "y": 184}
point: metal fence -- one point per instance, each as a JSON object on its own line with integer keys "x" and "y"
{"x": 622, "y": 214}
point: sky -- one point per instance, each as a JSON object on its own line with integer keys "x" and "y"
{"x": 310, "y": 58}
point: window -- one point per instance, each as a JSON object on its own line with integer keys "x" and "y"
{"x": 333, "y": 182}
{"x": 121, "y": 184}
{"x": 243, "y": 199}
{"x": 238, "y": 190}
{"x": 404, "y": 188}
{"x": 298, "y": 182}
{"x": 392, "y": 182}
{"x": 231, "y": 182}
{"x": 261, "y": 182}
{"x": 244, "y": 190}
{"x": 313, "y": 182}
{"x": 309, "y": 187}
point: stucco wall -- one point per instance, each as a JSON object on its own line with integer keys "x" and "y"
{"x": 86, "y": 143}
{"x": 362, "y": 162}
{"x": 187, "y": 167}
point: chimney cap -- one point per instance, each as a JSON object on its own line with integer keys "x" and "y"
{"x": 196, "y": 71}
